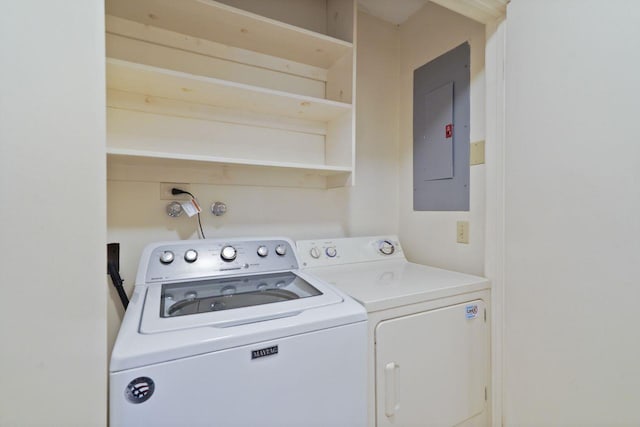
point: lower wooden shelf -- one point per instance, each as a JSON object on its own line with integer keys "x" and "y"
{"x": 142, "y": 165}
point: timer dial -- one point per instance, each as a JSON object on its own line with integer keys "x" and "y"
{"x": 386, "y": 247}
{"x": 228, "y": 253}
{"x": 314, "y": 252}
{"x": 167, "y": 257}
{"x": 281, "y": 250}
{"x": 263, "y": 251}
{"x": 331, "y": 252}
{"x": 190, "y": 255}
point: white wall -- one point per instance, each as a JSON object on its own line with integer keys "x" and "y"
{"x": 52, "y": 226}
{"x": 136, "y": 214}
{"x": 373, "y": 202}
{"x": 572, "y": 344}
{"x": 430, "y": 237}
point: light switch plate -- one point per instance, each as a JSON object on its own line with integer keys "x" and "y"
{"x": 476, "y": 154}
{"x": 462, "y": 232}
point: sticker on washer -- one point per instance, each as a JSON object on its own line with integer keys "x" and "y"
{"x": 472, "y": 311}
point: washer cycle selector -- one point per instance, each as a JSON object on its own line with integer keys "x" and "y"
{"x": 386, "y": 247}
{"x": 228, "y": 253}
{"x": 281, "y": 250}
{"x": 166, "y": 257}
{"x": 190, "y": 255}
{"x": 263, "y": 251}
{"x": 331, "y": 252}
{"x": 314, "y": 252}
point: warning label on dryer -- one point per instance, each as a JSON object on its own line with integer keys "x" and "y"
{"x": 471, "y": 311}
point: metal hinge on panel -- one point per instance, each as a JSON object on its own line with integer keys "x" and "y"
{"x": 485, "y": 315}
{"x": 485, "y": 393}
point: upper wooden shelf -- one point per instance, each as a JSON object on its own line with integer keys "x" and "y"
{"x": 143, "y": 79}
{"x": 210, "y": 20}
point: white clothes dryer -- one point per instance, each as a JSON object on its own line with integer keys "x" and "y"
{"x": 429, "y": 334}
{"x": 231, "y": 333}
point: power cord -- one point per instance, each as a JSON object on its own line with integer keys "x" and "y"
{"x": 175, "y": 192}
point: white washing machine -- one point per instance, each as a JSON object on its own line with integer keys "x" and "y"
{"x": 231, "y": 333}
{"x": 429, "y": 334}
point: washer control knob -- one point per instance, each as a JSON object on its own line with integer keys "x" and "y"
{"x": 386, "y": 247}
{"x": 190, "y": 255}
{"x": 166, "y": 257}
{"x": 314, "y": 252}
{"x": 263, "y": 251}
{"x": 228, "y": 253}
{"x": 331, "y": 252}
{"x": 281, "y": 250}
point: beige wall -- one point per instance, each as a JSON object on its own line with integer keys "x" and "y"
{"x": 136, "y": 214}
{"x": 572, "y": 342}
{"x": 52, "y": 228}
{"x": 430, "y": 237}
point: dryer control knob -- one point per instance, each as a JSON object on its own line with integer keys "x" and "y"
{"x": 228, "y": 253}
{"x": 191, "y": 255}
{"x": 263, "y": 251}
{"x": 166, "y": 257}
{"x": 314, "y": 252}
{"x": 281, "y": 250}
{"x": 386, "y": 247}
{"x": 331, "y": 252}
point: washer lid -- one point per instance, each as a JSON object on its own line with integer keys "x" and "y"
{"x": 380, "y": 285}
{"x": 230, "y": 301}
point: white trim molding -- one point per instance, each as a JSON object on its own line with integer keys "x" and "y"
{"x": 495, "y": 194}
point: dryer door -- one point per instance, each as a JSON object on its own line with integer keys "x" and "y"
{"x": 432, "y": 368}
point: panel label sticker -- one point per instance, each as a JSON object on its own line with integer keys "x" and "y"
{"x": 448, "y": 131}
{"x": 471, "y": 311}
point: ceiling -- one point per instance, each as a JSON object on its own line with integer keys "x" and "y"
{"x": 398, "y": 11}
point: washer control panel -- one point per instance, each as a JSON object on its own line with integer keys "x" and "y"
{"x": 195, "y": 259}
{"x": 324, "y": 252}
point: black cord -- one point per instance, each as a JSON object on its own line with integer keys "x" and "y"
{"x": 176, "y": 191}
{"x": 117, "y": 283}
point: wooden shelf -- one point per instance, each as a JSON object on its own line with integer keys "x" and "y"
{"x": 322, "y": 170}
{"x": 200, "y": 91}
{"x": 147, "y": 80}
{"x": 210, "y": 20}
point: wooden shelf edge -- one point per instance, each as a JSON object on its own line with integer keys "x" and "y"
{"x": 323, "y": 170}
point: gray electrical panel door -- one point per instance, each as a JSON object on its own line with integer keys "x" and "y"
{"x": 441, "y": 132}
{"x": 436, "y": 148}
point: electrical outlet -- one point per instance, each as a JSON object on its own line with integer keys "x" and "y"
{"x": 165, "y": 191}
{"x": 462, "y": 232}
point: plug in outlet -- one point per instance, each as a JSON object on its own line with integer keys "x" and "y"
{"x": 165, "y": 191}
{"x": 462, "y": 232}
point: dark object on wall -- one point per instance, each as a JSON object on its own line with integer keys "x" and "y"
{"x": 113, "y": 269}
{"x": 441, "y": 132}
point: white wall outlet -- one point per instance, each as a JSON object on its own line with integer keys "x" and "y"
{"x": 462, "y": 232}
{"x": 165, "y": 190}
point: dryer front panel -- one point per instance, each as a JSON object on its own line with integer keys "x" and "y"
{"x": 432, "y": 368}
